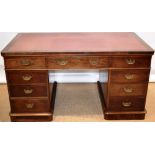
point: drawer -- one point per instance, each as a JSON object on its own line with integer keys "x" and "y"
{"x": 28, "y": 90}
{"x": 128, "y": 89}
{"x": 26, "y": 77}
{"x": 25, "y": 63}
{"x": 130, "y": 76}
{"x": 30, "y": 105}
{"x": 129, "y": 103}
{"x": 77, "y": 62}
{"x": 131, "y": 62}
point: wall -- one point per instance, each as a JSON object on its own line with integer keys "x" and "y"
{"x": 149, "y": 37}
{"x": 5, "y": 37}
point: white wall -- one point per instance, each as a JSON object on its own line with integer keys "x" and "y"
{"x": 5, "y": 37}
{"x": 149, "y": 37}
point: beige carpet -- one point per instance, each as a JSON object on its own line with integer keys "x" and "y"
{"x": 78, "y": 103}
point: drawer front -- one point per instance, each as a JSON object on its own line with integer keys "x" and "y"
{"x": 30, "y": 106}
{"x": 128, "y": 90}
{"x": 25, "y": 63}
{"x": 28, "y": 91}
{"x": 129, "y": 76}
{"x": 77, "y": 62}
{"x": 26, "y": 77}
{"x": 126, "y": 103}
{"x": 131, "y": 62}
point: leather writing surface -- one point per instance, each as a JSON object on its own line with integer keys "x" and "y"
{"x": 59, "y": 42}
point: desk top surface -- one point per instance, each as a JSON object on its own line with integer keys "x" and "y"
{"x": 76, "y": 42}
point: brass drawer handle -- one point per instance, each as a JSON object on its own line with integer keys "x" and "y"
{"x": 62, "y": 62}
{"x": 126, "y": 104}
{"x": 28, "y": 91}
{"x": 25, "y": 62}
{"x": 130, "y": 61}
{"x": 29, "y": 105}
{"x": 128, "y": 90}
{"x": 27, "y": 77}
{"x": 129, "y": 76}
{"x": 94, "y": 62}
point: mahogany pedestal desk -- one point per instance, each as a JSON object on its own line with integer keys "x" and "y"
{"x": 29, "y": 57}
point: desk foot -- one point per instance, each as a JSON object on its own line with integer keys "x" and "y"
{"x": 34, "y": 117}
{"x": 31, "y": 119}
{"x": 139, "y": 115}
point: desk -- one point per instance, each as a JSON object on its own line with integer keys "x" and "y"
{"x": 124, "y": 56}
